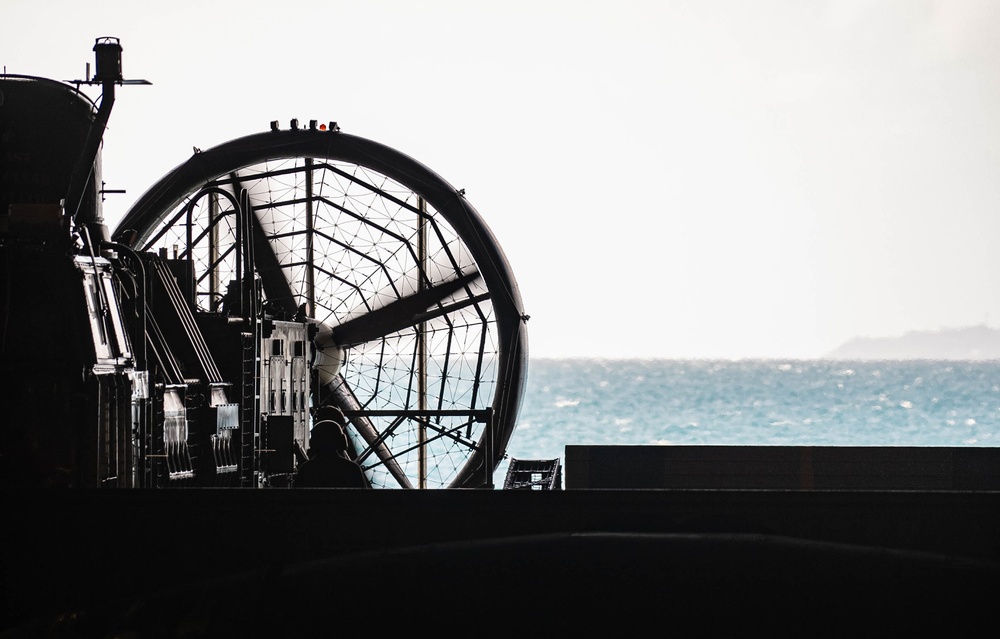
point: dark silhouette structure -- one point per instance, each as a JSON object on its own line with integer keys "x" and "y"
{"x": 195, "y": 339}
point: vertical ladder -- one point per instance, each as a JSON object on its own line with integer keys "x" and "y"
{"x": 248, "y": 411}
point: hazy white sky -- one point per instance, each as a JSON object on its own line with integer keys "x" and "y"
{"x": 706, "y": 178}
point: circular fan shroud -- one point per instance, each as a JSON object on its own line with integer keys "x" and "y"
{"x": 360, "y": 221}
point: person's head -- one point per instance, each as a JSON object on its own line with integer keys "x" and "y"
{"x": 327, "y": 437}
{"x": 330, "y": 413}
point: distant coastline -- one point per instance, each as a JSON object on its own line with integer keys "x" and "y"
{"x": 972, "y": 343}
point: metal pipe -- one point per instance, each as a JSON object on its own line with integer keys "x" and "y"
{"x": 108, "y": 55}
{"x": 310, "y": 257}
{"x": 422, "y": 345}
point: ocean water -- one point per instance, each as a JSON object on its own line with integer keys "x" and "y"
{"x": 765, "y": 403}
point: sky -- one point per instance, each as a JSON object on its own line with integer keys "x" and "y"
{"x": 677, "y": 179}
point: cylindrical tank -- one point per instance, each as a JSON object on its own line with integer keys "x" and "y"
{"x": 43, "y": 130}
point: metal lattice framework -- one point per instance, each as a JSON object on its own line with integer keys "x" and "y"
{"x": 421, "y": 340}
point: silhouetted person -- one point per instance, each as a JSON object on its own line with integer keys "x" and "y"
{"x": 333, "y": 414}
{"x": 230, "y": 300}
{"x": 328, "y": 465}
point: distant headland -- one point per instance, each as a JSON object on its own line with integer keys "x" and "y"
{"x": 972, "y": 343}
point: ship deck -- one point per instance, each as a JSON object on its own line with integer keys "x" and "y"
{"x": 788, "y": 540}
{"x": 553, "y": 558}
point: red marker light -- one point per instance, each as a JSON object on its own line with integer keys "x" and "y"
{"x": 322, "y": 127}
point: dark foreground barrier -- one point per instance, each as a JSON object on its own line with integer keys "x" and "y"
{"x": 272, "y": 563}
{"x": 784, "y": 540}
{"x": 784, "y": 467}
